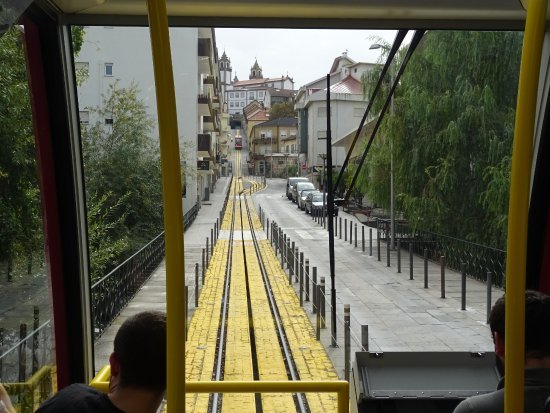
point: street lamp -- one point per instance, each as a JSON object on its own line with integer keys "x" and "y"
{"x": 392, "y": 194}
{"x": 323, "y": 156}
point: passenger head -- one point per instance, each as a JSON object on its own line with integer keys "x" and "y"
{"x": 140, "y": 350}
{"x": 537, "y": 319}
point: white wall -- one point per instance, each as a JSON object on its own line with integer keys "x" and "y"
{"x": 128, "y": 48}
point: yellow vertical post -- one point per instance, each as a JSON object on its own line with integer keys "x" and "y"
{"x": 173, "y": 215}
{"x": 516, "y": 255}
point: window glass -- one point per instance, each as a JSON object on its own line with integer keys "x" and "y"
{"x": 108, "y": 69}
{"x": 25, "y": 309}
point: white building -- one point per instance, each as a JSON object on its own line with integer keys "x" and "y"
{"x": 239, "y": 93}
{"x": 347, "y": 109}
{"x": 110, "y": 55}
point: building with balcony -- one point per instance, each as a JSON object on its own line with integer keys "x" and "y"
{"x": 108, "y": 55}
{"x": 273, "y": 146}
{"x": 240, "y": 93}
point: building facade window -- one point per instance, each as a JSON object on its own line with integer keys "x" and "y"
{"x": 84, "y": 116}
{"x": 232, "y": 105}
{"x": 108, "y": 121}
{"x": 261, "y": 94}
{"x": 242, "y": 95}
{"x": 231, "y": 95}
{"x": 242, "y": 104}
{"x": 251, "y": 95}
{"x": 109, "y": 69}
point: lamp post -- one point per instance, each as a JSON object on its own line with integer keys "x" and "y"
{"x": 392, "y": 193}
{"x": 323, "y": 156}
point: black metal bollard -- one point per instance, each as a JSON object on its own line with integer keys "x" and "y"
{"x": 22, "y": 353}
{"x": 425, "y": 268}
{"x": 340, "y": 229}
{"x": 387, "y": 250}
{"x": 212, "y": 240}
{"x": 196, "y": 285}
{"x": 378, "y": 244}
{"x": 346, "y": 229}
{"x": 335, "y": 226}
{"x": 411, "y": 272}
{"x": 203, "y": 266}
{"x": 301, "y": 279}
{"x": 322, "y": 303}
{"x": 363, "y": 238}
{"x": 186, "y": 310}
{"x": 355, "y": 235}
{"x": 463, "y": 289}
{"x": 207, "y": 251}
{"x": 370, "y": 242}
{"x": 489, "y": 292}
{"x": 35, "y": 341}
{"x": 307, "y": 279}
{"x": 347, "y": 341}
{"x": 296, "y": 264}
{"x": 398, "y": 256}
{"x": 292, "y": 261}
{"x": 365, "y": 337}
{"x": 442, "y": 276}
{"x": 318, "y": 305}
{"x": 314, "y": 290}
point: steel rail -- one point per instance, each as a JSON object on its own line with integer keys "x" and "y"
{"x": 287, "y": 352}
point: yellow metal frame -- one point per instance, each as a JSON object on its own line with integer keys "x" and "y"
{"x": 516, "y": 255}
{"x": 341, "y": 388}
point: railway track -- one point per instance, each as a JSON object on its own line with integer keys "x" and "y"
{"x": 252, "y": 342}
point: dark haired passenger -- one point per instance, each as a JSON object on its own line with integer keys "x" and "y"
{"x": 537, "y": 357}
{"x": 138, "y": 372}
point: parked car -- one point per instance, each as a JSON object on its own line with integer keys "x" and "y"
{"x": 302, "y": 198}
{"x": 314, "y": 202}
{"x": 291, "y": 181}
{"x": 298, "y": 187}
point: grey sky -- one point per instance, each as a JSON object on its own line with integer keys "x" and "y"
{"x": 305, "y": 54}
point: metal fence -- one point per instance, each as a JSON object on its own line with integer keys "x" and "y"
{"x": 479, "y": 259}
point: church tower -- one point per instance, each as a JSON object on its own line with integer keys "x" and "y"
{"x": 225, "y": 72}
{"x": 256, "y": 71}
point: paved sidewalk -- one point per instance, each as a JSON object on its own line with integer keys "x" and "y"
{"x": 152, "y": 295}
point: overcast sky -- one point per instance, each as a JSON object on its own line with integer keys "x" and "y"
{"x": 305, "y": 54}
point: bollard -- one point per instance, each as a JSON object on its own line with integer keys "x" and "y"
{"x": 186, "y": 310}
{"x": 387, "y": 249}
{"x": 411, "y": 273}
{"x": 346, "y": 229}
{"x": 212, "y": 241}
{"x": 378, "y": 243}
{"x": 335, "y": 226}
{"x": 203, "y": 267}
{"x": 442, "y": 276}
{"x": 301, "y": 279}
{"x": 322, "y": 303}
{"x": 398, "y": 256}
{"x": 296, "y": 264}
{"x": 196, "y": 285}
{"x": 365, "y": 337}
{"x": 489, "y": 291}
{"x": 318, "y": 305}
{"x": 36, "y": 324}
{"x": 291, "y": 262}
{"x": 363, "y": 238}
{"x": 350, "y": 232}
{"x": 207, "y": 251}
{"x": 370, "y": 242}
{"x": 356, "y": 235}
{"x": 340, "y": 229}
{"x": 347, "y": 344}
{"x": 307, "y": 279}
{"x": 314, "y": 290}
{"x": 463, "y": 289}
{"x": 22, "y": 352}
{"x": 425, "y": 268}
{"x": 287, "y": 247}
{"x": 283, "y": 252}
{"x": 267, "y": 227}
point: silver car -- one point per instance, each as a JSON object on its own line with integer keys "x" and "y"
{"x": 298, "y": 187}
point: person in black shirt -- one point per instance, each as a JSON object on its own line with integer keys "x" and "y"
{"x": 138, "y": 372}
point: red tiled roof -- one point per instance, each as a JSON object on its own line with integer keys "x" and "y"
{"x": 261, "y": 115}
{"x": 348, "y": 85}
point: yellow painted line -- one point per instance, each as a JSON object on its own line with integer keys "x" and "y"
{"x": 271, "y": 364}
{"x": 238, "y": 353}
{"x": 203, "y": 328}
{"x": 310, "y": 356}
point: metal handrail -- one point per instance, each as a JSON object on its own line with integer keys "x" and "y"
{"x": 340, "y": 387}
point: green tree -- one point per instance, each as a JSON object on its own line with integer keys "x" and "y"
{"x": 452, "y": 130}
{"x": 122, "y": 167}
{"x": 20, "y": 224}
{"x": 282, "y": 110}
